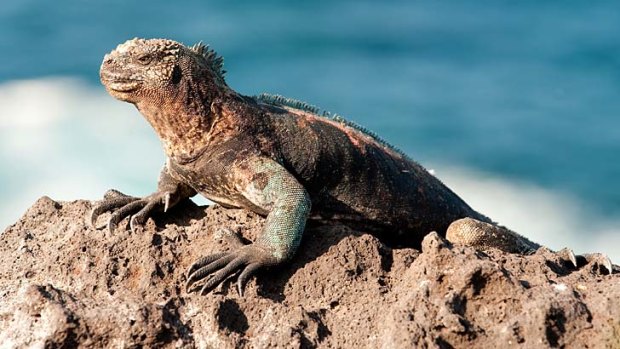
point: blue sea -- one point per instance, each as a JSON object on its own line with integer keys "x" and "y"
{"x": 514, "y": 104}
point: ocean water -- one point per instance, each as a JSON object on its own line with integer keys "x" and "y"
{"x": 515, "y": 105}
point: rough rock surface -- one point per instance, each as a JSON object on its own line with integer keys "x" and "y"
{"x": 64, "y": 284}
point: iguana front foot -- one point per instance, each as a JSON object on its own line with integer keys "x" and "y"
{"x": 217, "y": 267}
{"x": 124, "y": 206}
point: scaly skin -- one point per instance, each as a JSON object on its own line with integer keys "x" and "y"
{"x": 278, "y": 158}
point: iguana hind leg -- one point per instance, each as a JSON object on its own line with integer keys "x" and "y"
{"x": 472, "y": 232}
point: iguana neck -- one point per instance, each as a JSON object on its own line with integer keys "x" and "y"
{"x": 184, "y": 123}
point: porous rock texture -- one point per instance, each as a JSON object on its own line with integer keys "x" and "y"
{"x": 64, "y": 284}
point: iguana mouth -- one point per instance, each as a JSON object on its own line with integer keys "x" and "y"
{"x": 123, "y": 86}
{"x": 120, "y": 84}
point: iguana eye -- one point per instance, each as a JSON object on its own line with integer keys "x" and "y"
{"x": 145, "y": 59}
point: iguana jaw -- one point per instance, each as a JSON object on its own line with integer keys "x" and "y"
{"x": 119, "y": 84}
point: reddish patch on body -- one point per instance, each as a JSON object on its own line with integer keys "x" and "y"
{"x": 357, "y": 138}
{"x": 301, "y": 121}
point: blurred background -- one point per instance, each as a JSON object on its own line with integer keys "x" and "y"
{"x": 515, "y": 105}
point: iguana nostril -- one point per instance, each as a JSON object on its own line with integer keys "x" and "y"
{"x": 107, "y": 59}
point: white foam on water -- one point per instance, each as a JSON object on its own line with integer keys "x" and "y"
{"x": 64, "y": 138}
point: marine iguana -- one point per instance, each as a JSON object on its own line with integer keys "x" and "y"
{"x": 280, "y": 158}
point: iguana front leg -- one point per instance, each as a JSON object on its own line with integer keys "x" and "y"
{"x": 169, "y": 192}
{"x": 269, "y": 188}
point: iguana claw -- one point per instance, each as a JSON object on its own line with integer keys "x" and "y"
{"x": 166, "y": 202}
{"x": 217, "y": 267}
{"x": 598, "y": 259}
{"x": 568, "y": 253}
{"x": 579, "y": 261}
{"x": 122, "y": 206}
{"x": 108, "y": 205}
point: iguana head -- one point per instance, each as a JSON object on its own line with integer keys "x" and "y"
{"x": 155, "y": 69}
{"x": 172, "y": 85}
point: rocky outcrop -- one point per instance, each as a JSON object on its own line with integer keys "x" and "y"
{"x": 64, "y": 284}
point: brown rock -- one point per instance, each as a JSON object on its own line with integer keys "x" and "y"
{"x": 64, "y": 284}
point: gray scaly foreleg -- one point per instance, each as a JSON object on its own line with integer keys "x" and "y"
{"x": 272, "y": 189}
{"x": 169, "y": 192}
